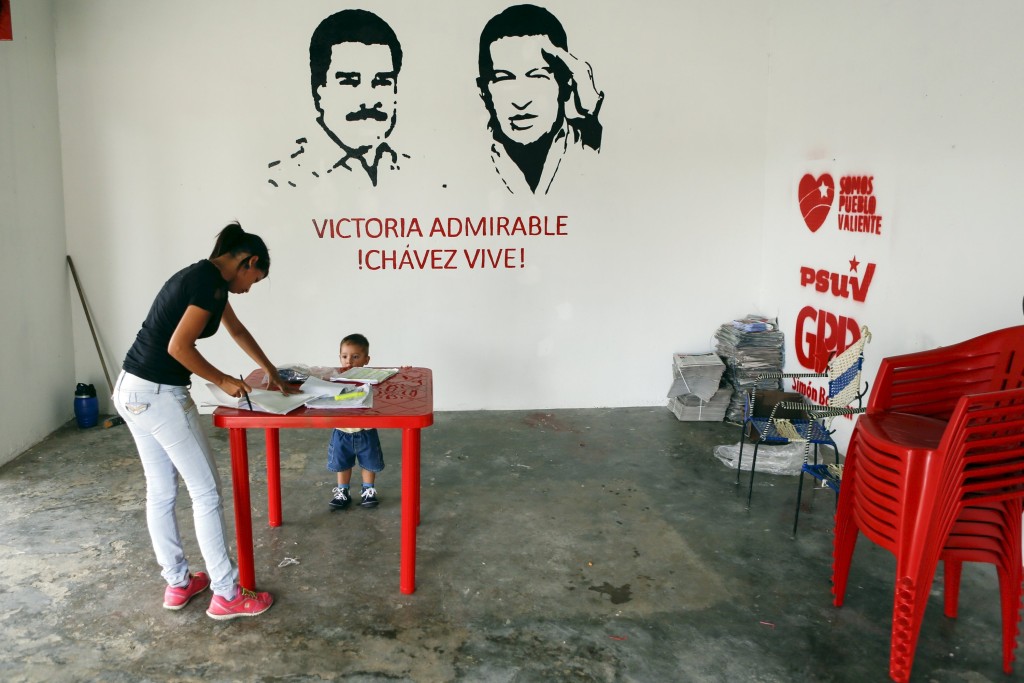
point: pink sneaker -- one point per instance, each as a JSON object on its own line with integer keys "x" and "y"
{"x": 176, "y": 598}
{"x": 246, "y": 604}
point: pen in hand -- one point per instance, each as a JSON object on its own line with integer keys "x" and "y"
{"x": 245, "y": 393}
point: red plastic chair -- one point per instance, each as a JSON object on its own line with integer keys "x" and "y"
{"x": 930, "y": 383}
{"x": 992, "y": 535}
{"x": 935, "y": 471}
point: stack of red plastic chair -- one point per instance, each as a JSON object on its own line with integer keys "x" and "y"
{"x": 935, "y": 471}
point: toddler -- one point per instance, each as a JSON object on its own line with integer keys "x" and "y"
{"x": 349, "y": 444}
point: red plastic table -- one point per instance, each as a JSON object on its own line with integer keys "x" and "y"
{"x": 404, "y": 401}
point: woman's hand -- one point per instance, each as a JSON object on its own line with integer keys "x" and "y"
{"x": 274, "y": 379}
{"x": 233, "y": 387}
{"x": 246, "y": 342}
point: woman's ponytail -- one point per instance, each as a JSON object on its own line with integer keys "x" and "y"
{"x": 237, "y": 242}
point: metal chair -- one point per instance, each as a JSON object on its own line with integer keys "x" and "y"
{"x": 815, "y": 427}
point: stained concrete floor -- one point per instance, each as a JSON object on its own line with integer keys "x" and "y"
{"x": 574, "y": 545}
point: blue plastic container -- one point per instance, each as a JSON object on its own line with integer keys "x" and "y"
{"x": 87, "y": 406}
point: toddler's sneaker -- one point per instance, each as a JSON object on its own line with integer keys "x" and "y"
{"x": 178, "y": 597}
{"x": 369, "y": 495}
{"x": 246, "y": 604}
{"x": 340, "y": 498}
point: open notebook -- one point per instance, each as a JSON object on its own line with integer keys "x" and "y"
{"x": 364, "y": 375}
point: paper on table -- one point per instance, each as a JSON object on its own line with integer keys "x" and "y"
{"x": 315, "y": 387}
{"x": 262, "y": 400}
{"x": 345, "y": 396}
{"x": 365, "y": 375}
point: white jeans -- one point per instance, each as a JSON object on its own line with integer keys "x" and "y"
{"x": 171, "y": 441}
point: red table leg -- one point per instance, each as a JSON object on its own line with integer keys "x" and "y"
{"x": 414, "y": 453}
{"x": 243, "y": 511}
{"x": 410, "y": 509}
{"x": 273, "y": 476}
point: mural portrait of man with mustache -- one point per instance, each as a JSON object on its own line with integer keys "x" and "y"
{"x": 354, "y": 61}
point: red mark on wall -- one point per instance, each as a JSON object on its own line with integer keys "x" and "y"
{"x": 5, "y": 20}
{"x": 442, "y": 259}
{"x": 815, "y": 195}
{"x": 820, "y": 335}
{"x": 858, "y": 205}
{"x": 451, "y": 231}
{"x": 450, "y": 227}
{"x": 841, "y": 285}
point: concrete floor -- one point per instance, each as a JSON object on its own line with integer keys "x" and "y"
{"x": 576, "y": 545}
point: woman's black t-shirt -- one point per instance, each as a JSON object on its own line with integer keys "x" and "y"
{"x": 199, "y": 285}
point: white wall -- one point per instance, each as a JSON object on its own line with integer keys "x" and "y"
{"x": 35, "y": 312}
{"x": 927, "y": 100}
{"x": 169, "y": 114}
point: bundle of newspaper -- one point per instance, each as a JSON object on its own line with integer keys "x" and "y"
{"x": 697, "y": 391}
{"x": 750, "y": 347}
{"x": 689, "y": 407}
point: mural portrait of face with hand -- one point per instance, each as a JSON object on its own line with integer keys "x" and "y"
{"x": 354, "y": 62}
{"x": 542, "y": 100}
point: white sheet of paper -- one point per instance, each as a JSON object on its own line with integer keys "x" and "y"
{"x": 262, "y": 400}
{"x": 347, "y": 396}
{"x": 319, "y": 387}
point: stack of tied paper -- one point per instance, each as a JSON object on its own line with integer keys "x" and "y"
{"x": 750, "y": 346}
{"x": 697, "y": 391}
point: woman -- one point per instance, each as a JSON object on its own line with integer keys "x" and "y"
{"x": 152, "y": 396}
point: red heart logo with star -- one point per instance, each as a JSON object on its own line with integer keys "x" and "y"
{"x": 816, "y": 196}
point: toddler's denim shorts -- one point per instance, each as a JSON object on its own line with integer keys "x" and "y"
{"x": 346, "y": 448}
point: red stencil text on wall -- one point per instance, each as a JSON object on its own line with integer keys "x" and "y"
{"x": 840, "y": 285}
{"x": 821, "y": 334}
